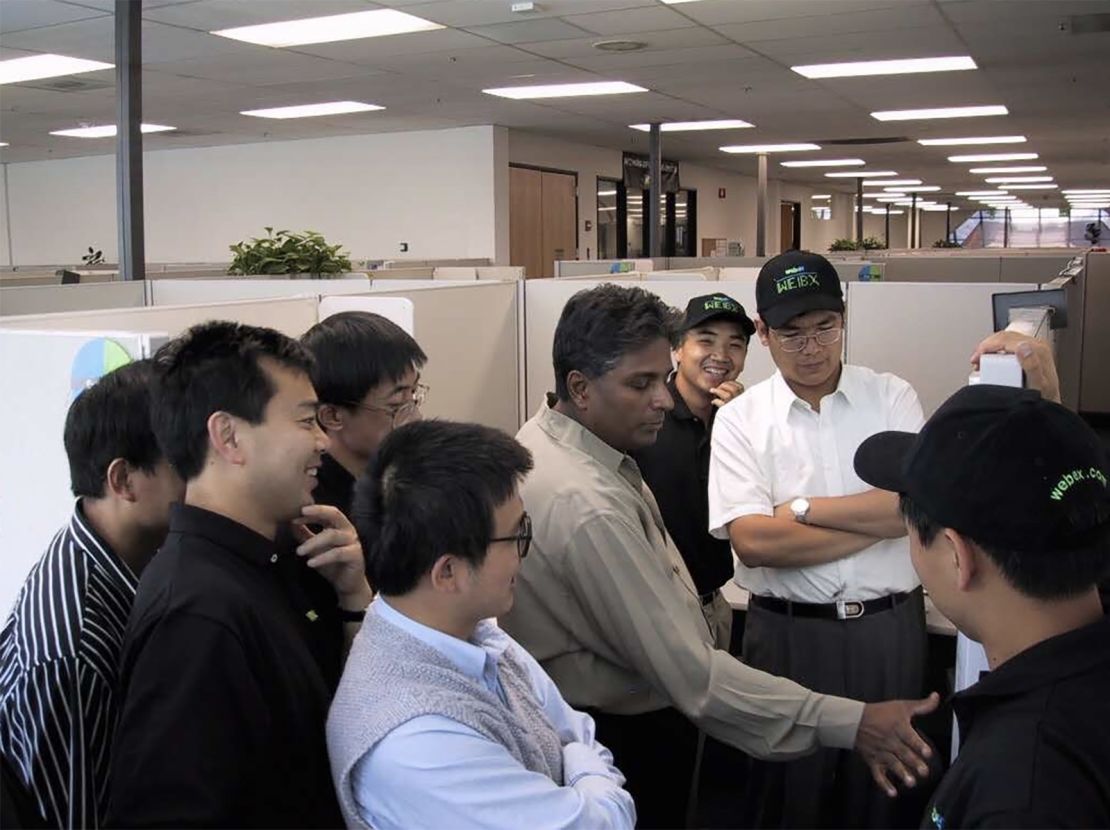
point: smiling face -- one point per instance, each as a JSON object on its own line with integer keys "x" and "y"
{"x": 711, "y": 353}
{"x": 625, "y": 406}
{"x": 816, "y": 368}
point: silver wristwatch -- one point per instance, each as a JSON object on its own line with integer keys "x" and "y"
{"x": 800, "y": 509}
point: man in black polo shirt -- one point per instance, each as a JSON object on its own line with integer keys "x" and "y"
{"x": 224, "y": 702}
{"x": 711, "y": 347}
{"x": 1005, "y": 498}
{"x": 367, "y": 374}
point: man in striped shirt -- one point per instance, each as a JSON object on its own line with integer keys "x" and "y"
{"x": 59, "y": 651}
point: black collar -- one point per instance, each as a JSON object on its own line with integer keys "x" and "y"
{"x": 224, "y": 532}
{"x": 1046, "y": 663}
{"x": 681, "y": 409}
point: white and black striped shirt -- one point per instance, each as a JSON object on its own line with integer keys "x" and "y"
{"x": 59, "y": 663}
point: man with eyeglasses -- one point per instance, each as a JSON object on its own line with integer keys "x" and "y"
{"x": 835, "y": 603}
{"x": 441, "y": 719}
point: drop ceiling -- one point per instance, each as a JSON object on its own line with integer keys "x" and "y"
{"x": 710, "y": 59}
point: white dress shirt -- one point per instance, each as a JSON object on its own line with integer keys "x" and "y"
{"x": 770, "y": 447}
{"x": 434, "y": 772}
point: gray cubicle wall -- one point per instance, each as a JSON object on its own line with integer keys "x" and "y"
{"x": 923, "y": 332}
{"x": 46, "y": 299}
{"x": 1026, "y": 268}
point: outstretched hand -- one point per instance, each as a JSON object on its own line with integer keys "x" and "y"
{"x": 889, "y": 744}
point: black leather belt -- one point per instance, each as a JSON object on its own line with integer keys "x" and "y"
{"x": 840, "y": 610}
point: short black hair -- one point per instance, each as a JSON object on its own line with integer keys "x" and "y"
{"x": 110, "y": 420}
{"x": 601, "y": 325}
{"x": 679, "y": 336}
{"x": 357, "y": 350}
{"x": 432, "y": 490}
{"x": 213, "y": 367}
{"x": 1044, "y": 574}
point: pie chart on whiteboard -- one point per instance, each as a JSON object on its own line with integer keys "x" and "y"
{"x": 94, "y": 360}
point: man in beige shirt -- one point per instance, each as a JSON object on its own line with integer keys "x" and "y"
{"x": 607, "y": 606}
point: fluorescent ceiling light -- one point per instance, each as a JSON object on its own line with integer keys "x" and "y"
{"x": 330, "y": 28}
{"x": 313, "y": 110}
{"x": 692, "y": 126}
{"x": 3, "y": 144}
{"x": 1017, "y": 179}
{"x": 1028, "y": 168}
{"x": 16, "y": 70}
{"x": 1010, "y": 187}
{"x": 676, "y": 2}
{"x": 938, "y": 208}
{"x": 1091, "y": 205}
{"x": 768, "y": 148}
{"x": 980, "y": 193}
{"x": 607, "y": 193}
{"x": 994, "y": 157}
{"x": 861, "y": 174}
{"x": 824, "y": 163}
{"x": 908, "y": 66}
{"x": 1097, "y": 192}
{"x": 821, "y": 196}
{"x": 108, "y": 130}
{"x": 891, "y": 197}
{"x": 957, "y": 142}
{"x": 940, "y": 112}
{"x": 929, "y": 188}
{"x": 873, "y": 182}
{"x": 564, "y": 90}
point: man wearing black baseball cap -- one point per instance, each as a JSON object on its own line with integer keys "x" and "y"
{"x": 710, "y": 348}
{"x": 835, "y": 604}
{"x": 1005, "y": 498}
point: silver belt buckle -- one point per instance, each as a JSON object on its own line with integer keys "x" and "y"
{"x": 848, "y": 609}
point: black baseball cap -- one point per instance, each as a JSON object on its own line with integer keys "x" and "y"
{"x": 716, "y": 306}
{"x": 1000, "y": 465}
{"x": 794, "y": 283}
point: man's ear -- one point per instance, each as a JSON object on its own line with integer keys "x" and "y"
{"x": 447, "y": 574}
{"x": 966, "y": 558}
{"x": 330, "y": 417}
{"x": 118, "y": 480}
{"x": 578, "y": 386}
{"x": 761, "y": 331}
{"x": 224, "y": 437}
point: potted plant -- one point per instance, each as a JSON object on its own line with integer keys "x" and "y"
{"x": 946, "y": 243}
{"x": 873, "y": 243}
{"x": 844, "y": 245}
{"x": 286, "y": 252}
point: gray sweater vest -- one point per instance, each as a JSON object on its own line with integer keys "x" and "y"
{"x": 392, "y": 677}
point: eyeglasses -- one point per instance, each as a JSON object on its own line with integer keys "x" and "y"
{"x": 797, "y": 342}
{"x": 399, "y": 413}
{"x": 523, "y": 539}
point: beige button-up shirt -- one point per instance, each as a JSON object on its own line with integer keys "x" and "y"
{"x": 605, "y": 603}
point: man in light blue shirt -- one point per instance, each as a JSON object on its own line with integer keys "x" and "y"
{"x": 441, "y": 719}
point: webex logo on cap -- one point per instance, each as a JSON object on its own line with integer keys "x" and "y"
{"x": 795, "y": 283}
{"x": 716, "y": 306}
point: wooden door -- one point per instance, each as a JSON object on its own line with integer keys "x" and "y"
{"x": 560, "y": 219}
{"x": 526, "y": 220}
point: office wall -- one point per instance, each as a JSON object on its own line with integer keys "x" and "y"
{"x": 47, "y": 299}
{"x": 433, "y": 189}
{"x": 5, "y": 251}
{"x": 732, "y": 217}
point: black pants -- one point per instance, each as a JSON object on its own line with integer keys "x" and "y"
{"x": 657, "y": 752}
{"x": 873, "y": 658}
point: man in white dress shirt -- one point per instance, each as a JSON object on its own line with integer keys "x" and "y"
{"x": 441, "y": 719}
{"x": 835, "y": 604}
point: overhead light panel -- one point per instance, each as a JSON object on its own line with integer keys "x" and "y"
{"x": 937, "y": 208}
{"x": 108, "y": 130}
{"x": 957, "y": 142}
{"x": 3, "y": 144}
{"x": 980, "y": 193}
{"x": 520, "y": 93}
{"x": 1030, "y": 187}
{"x": 861, "y": 174}
{"x": 694, "y": 126}
{"x": 940, "y": 112}
{"x": 1017, "y": 179}
{"x": 823, "y": 163}
{"x": 331, "y": 28}
{"x": 1087, "y": 192}
{"x": 929, "y": 188}
{"x": 908, "y": 66}
{"x": 1030, "y": 168}
{"x": 768, "y": 148}
{"x": 313, "y": 110}
{"x": 35, "y": 67}
{"x": 890, "y": 182}
{"x": 994, "y": 157}
{"x": 890, "y": 197}
{"x": 821, "y": 196}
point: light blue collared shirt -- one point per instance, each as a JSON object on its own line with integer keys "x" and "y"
{"x": 434, "y": 772}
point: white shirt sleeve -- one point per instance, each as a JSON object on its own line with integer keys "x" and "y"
{"x": 904, "y": 406}
{"x": 738, "y": 483}
{"x": 434, "y": 772}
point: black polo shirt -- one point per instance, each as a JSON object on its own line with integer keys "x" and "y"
{"x": 676, "y": 468}
{"x": 334, "y": 485}
{"x": 1035, "y": 740}
{"x": 223, "y": 702}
